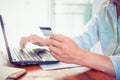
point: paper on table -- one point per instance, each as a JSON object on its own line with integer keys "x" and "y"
{"x": 58, "y": 65}
{"x": 10, "y": 72}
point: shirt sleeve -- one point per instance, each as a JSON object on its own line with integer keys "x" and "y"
{"x": 116, "y": 63}
{"x": 90, "y": 36}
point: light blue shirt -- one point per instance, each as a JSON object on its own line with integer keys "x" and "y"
{"x": 104, "y": 27}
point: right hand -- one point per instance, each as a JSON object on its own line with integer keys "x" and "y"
{"x": 34, "y": 39}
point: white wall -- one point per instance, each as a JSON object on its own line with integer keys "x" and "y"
{"x": 23, "y": 17}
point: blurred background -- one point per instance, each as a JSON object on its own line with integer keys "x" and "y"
{"x": 23, "y": 17}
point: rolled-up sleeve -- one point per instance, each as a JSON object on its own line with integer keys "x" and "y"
{"x": 100, "y": 29}
{"x": 116, "y": 63}
{"x": 90, "y": 36}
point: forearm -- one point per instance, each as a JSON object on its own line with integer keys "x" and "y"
{"x": 98, "y": 62}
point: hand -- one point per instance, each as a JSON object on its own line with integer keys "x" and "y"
{"x": 34, "y": 39}
{"x": 65, "y": 49}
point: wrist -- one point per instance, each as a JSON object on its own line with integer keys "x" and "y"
{"x": 82, "y": 57}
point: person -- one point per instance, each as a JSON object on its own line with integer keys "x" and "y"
{"x": 103, "y": 27}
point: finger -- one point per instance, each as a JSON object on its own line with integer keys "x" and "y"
{"x": 55, "y": 43}
{"x": 60, "y": 57}
{"x": 31, "y": 37}
{"x": 58, "y": 37}
{"x": 23, "y": 42}
{"x": 34, "y": 39}
{"x": 55, "y": 50}
{"x": 34, "y": 42}
{"x": 56, "y": 56}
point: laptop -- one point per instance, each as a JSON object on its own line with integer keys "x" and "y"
{"x": 35, "y": 56}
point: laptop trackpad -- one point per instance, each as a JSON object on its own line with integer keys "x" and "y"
{"x": 39, "y": 50}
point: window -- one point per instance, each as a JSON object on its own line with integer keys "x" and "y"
{"x": 71, "y": 15}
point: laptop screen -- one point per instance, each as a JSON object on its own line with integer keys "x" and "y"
{"x": 3, "y": 30}
{"x": 2, "y": 42}
{"x": 5, "y": 38}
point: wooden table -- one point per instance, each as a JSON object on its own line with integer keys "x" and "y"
{"x": 36, "y": 73}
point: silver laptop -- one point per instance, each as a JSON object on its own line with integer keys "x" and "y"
{"x": 30, "y": 56}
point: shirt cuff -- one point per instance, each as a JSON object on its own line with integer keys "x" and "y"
{"x": 116, "y": 63}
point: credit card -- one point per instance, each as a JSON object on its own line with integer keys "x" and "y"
{"x": 47, "y": 31}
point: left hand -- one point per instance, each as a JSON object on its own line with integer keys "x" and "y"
{"x": 65, "y": 49}
{"x": 34, "y": 39}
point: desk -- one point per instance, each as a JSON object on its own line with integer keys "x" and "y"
{"x": 36, "y": 73}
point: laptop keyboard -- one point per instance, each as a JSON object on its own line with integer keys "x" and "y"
{"x": 28, "y": 54}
